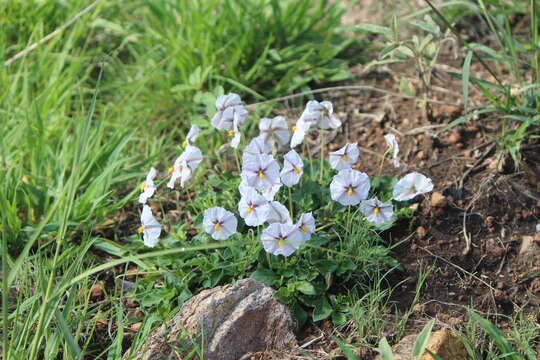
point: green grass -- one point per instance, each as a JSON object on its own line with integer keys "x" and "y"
{"x": 83, "y": 115}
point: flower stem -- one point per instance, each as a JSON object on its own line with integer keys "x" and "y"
{"x": 382, "y": 161}
{"x": 322, "y": 157}
{"x": 290, "y": 204}
{"x": 236, "y": 157}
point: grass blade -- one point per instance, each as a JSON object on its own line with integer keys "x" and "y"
{"x": 385, "y": 350}
{"x": 422, "y": 340}
{"x": 466, "y": 72}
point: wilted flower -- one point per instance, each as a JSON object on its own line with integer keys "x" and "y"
{"x": 349, "y": 187}
{"x": 321, "y": 114}
{"x": 411, "y": 185}
{"x": 185, "y": 165}
{"x": 257, "y": 146}
{"x": 393, "y": 145}
{"x": 191, "y": 135}
{"x": 230, "y": 110}
{"x": 235, "y": 141}
{"x": 293, "y": 168}
{"x": 219, "y": 223}
{"x": 376, "y": 211}
{"x": 150, "y": 227}
{"x": 148, "y": 189}
{"x": 281, "y": 239}
{"x": 253, "y": 208}
{"x": 260, "y": 171}
{"x": 275, "y": 129}
{"x": 306, "y": 225}
{"x": 345, "y": 157}
{"x": 278, "y": 213}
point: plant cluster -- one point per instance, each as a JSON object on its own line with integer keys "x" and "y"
{"x": 296, "y": 221}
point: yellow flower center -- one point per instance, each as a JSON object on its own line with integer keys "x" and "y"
{"x": 345, "y": 157}
{"x": 249, "y": 209}
{"x": 303, "y": 228}
{"x": 280, "y": 242}
{"x": 180, "y": 166}
{"x": 261, "y": 175}
{"x": 296, "y": 171}
{"x": 293, "y": 128}
{"x": 349, "y": 192}
{"x": 24, "y": 179}
{"x": 184, "y": 144}
{"x": 231, "y": 132}
{"x": 376, "y": 210}
{"x": 140, "y": 229}
{"x": 170, "y": 170}
{"x": 217, "y": 227}
{"x": 142, "y": 187}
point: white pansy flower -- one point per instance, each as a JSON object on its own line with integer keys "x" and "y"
{"x": 260, "y": 171}
{"x": 394, "y": 146}
{"x": 219, "y": 223}
{"x": 253, "y": 208}
{"x": 376, "y": 211}
{"x": 268, "y": 193}
{"x": 345, "y": 157}
{"x": 148, "y": 189}
{"x": 281, "y": 239}
{"x": 150, "y": 227}
{"x": 306, "y": 225}
{"x": 229, "y": 110}
{"x": 185, "y": 165}
{"x": 275, "y": 130}
{"x": 299, "y": 132}
{"x": 292, "y": 169}
{"x": 191, "y": 136}
{"x": 349, "y": 187}
{"x": 278, "y": 213}
{"x": 411, "y": 185}
{"x": 321, "y": 114}
{"x": 257, "y": 146}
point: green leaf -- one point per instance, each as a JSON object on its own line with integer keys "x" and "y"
{"x": 434, "y": 356}
{"x": 422, "y": 340}
{"x": 322, "y": 310}
{"x": 266, "y": 276}
{"x": 385, "y": 350}
{"x": 376, "y": 29}
{"x": 305, "y": 287}
{"x": 346, "y": 350}
{"x": 466, "y": 69}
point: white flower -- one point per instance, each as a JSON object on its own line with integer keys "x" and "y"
{"x": 257, "y": 146}
{"x": 345, "y": 157}
{"x": 150, "y": 227}
{"x": 299, "y": 131}
{"x": 281, "y": 239}
{"x": 229, "y": 110}
{"x": 253, "y": 208}
{"x": 191, "y": 135}
{"x": 219, "y": 223}
{"x": 185, "y": 165}
{"x": 235, "y": 134}
{"x": 393, "y": 145}
{"x": 376, "y": 211}
{"x": 275, "y": 129}
{"x": 268, "y": 193}
{"x": 411, "y": 185}
{"x": 321, "y": 114}
{"x": 278, "y": 213}
{"x": 306, "y": 225}
{"x": 148, "y": 189}
{"x": 293, "y": 168}
{"x": 349, "y": 187}
{"x": 260, "y": 171}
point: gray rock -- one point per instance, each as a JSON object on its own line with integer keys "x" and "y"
{"x": 229, "y": 322}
